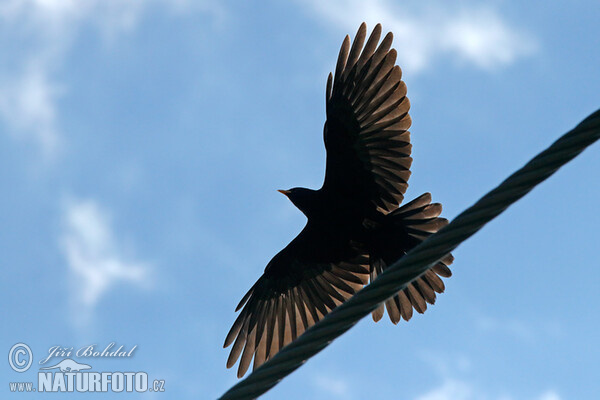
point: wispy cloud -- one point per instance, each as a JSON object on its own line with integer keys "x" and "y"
{"x": 27, "y": 107}
{"x": 41, "y": 34}
{"x": 446, "y": 364}
{"x": 476, "y": 35}
{"x": 527, "y": 331}
{"x": 334, "y": 386}
{"x": 95, "y": 262}
{"x": 449, "y": 390}
{"x": 454, "y": 371}
{"x": 549, "y": 395}
{"x": 452, "y": 389}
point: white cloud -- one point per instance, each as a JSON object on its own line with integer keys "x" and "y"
{"x": 515, "y": 328}
{"x": 27, "y": 106}
{"x": 453, "y": 389}
{"x": 450, "y": 390}
{"x": 526, "y": 331}
{"x": 41, "y": 33}
{"x": 549, "y": 395}
{"x": 445, "y": 364}
{"x": 476, "y": 35}
{"x": 452, "y": 369}
{"x": 95, "y": 262}
{"x": 333, "y": 386}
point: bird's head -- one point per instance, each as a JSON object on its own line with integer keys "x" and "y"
{"x": 301, "y": 197}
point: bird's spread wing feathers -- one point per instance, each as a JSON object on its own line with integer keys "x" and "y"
{"x": 300, "y": 285}
{"x": 419, "y": 219}
{"x": 366, "y": 134}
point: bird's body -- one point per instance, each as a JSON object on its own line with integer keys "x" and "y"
{"x": 341, "y": 222}
{"x": 355, "y": 226}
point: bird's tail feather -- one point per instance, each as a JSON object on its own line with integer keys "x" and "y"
{"x": 413, "y": 223}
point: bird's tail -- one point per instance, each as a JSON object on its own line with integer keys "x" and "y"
{"x": 405, "y": 228}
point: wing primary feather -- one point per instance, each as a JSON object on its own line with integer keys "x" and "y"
{"x": 341, "y": 273}
{"x": 328, "y": 91}
{"x": 402, "y": 120}
{"x": 362, "y": 258}
{"x": 377, "y": 314}
{"x": 243, "y": 318}
{"x": 291, "y": 309}
{"x": 426, "y": 290}
{"x": 376, "y": 80}
{"x": 435, "y": 281}
{"x": 299, "y": 324}
{"x": 326, "y": 286}
{"x": 392, "y": 82}
{"x": 357, "y": 268}
{"x": 392, "y": 109}
{"x": 395, "y": 163}
{"x": 317, "y": 300}
{"x": 235, "y": 329}
{"x": 281, "y": 319}
{"x": 308, "y": 303}
{"x": 416, "y": 299}
{"x": 391, "y": 85}
{"x": 259, "y": 357}
{"x": 262, "y": 318}
{"x": 384, "y": 47}
{"x": 301, "y": 307}
{"x": 424, "y": 212}
{"x": 358, "y": 77}
{"x": 247, "y": 354}
{"x": 237, "y": 346}
{"x": 357, "y": 45}
{"x": 341, "y": 62}
{"x": 245, "y": 298}
{"x": 403, "y": 135}
{"x": 406, "y": 309}
{"x": 369, "y": 47}
{"x": 338, "y": 283}
{"x": 400, "y": 106}
{"x": 270, "y": 325}
{"x": 323, "y": 293}
{"x": 391, "y": 175}
{"x": 367, "y": 109}
{"x": 449, "y": 259}
{"x": 275, "y": 345}
{"x": 442, "y": 270}
{"x": 398, "y": 96}
{"x": 387, "y": 191}
{"x": 393, "y": 310}
{"x": 397, "y": 145}
{"x": 255, "y": 309}
{"x": 419, "y": 202}
{"x": 365, "y": 83}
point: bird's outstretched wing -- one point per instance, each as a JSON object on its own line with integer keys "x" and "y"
{"x": 366, "y": 133}
{"x": 301, "y": 284}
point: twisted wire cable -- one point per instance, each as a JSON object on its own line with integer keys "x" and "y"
{"x": 417, "y": 261}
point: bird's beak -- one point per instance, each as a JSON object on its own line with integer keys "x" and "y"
{"x": 286, "y": 192}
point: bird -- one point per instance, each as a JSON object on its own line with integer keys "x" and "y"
{"x": 356, "y": 225}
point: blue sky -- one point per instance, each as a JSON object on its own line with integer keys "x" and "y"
{"x": 141, "y": 144}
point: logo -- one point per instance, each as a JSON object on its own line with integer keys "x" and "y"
{"x": 68, "y": 375}
{"x": 14, "y": 357}
{"x": 68, "y": 365}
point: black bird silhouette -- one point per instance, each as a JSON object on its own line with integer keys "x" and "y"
{"x": 355, "y": 227}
